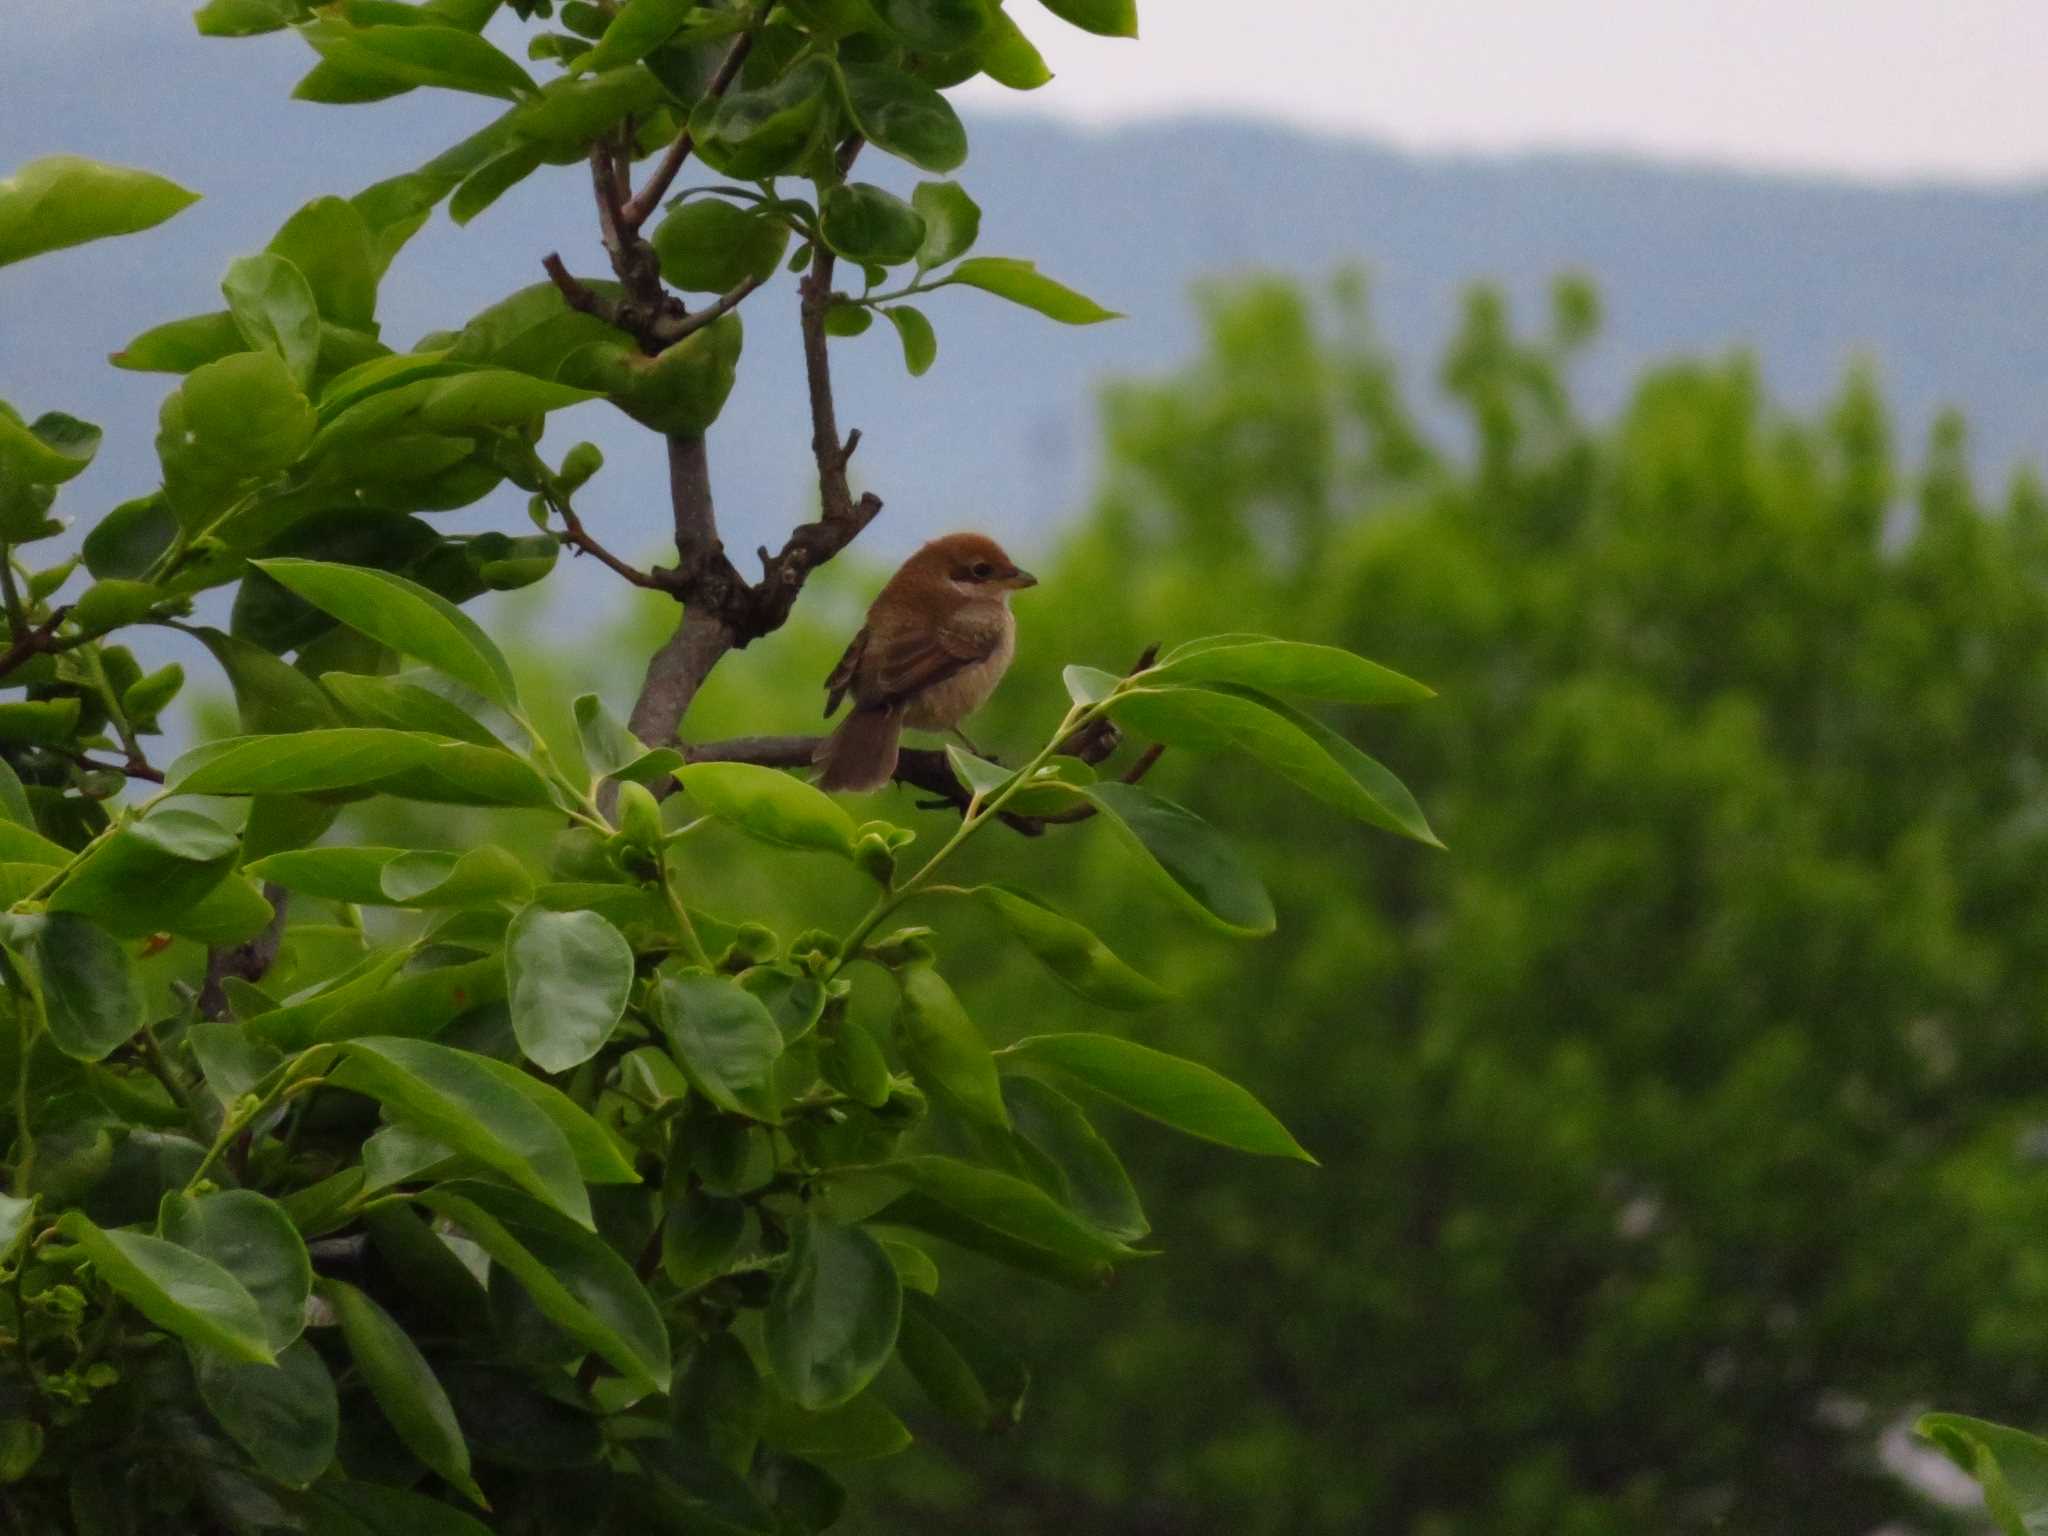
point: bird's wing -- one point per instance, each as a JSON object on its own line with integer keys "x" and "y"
{"x": 846, "y": 672}
{"x": 904, "y": 665}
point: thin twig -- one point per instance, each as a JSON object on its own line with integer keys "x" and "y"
{"x": 137, "y": 767}
{"x": 39, "y": 641}
{"x": 575, "y": 294}
{"x": 669, "y": 331}
{"x": 578, "y": 538}
{"x": 637, "y": 207}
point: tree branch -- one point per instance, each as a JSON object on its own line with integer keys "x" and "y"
{"x": 668, "y": 330}
{"x": 637, "y": 208}
{"x": 38, "y": 641}
{"x": 575, "y": 295}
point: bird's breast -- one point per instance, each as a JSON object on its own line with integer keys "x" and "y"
{"x": 945, "y": 704}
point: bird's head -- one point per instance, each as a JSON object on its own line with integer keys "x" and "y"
{"x": 973, "y": 564}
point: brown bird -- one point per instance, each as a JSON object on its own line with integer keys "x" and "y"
{"x": 937, "y": 640}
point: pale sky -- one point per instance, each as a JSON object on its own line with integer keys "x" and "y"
{"x": 1892, "y": 89}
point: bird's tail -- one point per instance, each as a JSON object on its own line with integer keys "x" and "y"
{"x": 861, "y": 754}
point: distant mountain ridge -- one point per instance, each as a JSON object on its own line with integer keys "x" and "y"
{"x": 1941, "y": 287}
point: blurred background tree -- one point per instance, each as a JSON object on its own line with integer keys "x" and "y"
{"x": 1680, "y": 1128}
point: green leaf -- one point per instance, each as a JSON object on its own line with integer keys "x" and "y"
{"x": 15, "y": 1217}
{"x": 1105, "y": 18}
{"x": 708, "y": 245}
{"x": 1008, "y": 57}
{"x": 404, "y": 1385}
{"x": 1084, "y": 1169}
{"x": 247, "y": 18}
{"x": 179, "y": 1291}
{"x": 597, "y": 1154}
{"x": 331, "y": 243}
{"x": 1009, "y": 1206}
{"x": 47, "y": 451}
{"x": 952, "y": 221}
{"x": 572, "y": 112}
{"x": 1181, "y": 1094}
{"x": 128, "y": 540}
{"x": 298, "y": 764}
{"x": 45, "y": 722}
{"x": 578, "y": 1283}
{"x": 700, "y": 1237}
{"x": 961, "y": 1367}
{"x": 611, "y": 751}
{"x": 332, "y": 874}
{"x": 150, "y": 876}
{"x": 179, "y": 346}
{"x": 271, "y": 695}
{"x": 286, "y": 1416}
{"x": 636, "y": 31}
{"x": 63, "y": 200}
{"x": 112, "y": 604}
{"x": 399, "y": 705}
{"x": 933, "y": 26}
{"x": 14, "y": 806}
{"x": 831, "y": 1321}
{"x": 252, "y": 1239}
{"x": 904, "y": 116}
{"x": 347, "y": 1507}
{"x": 1077, "y": 957}
{"x": 1285, "y": 666}
{"x": 920, "y": 345}
{"x": 724, "y": 1039}
{"x": 247, "y": 418}
{"x": 863, "y": 222}
{"x": 445, "y": 1094}
{"x": 1204, "y": 873}
{"x": 764, "y": 132}
{"x": 2011, "y": 1465}
{"x": 1294, "y": 745}
{"x": 484, "y": 876}
{"x": 405, "y": 616}
{"x": 230, "y": 1061}
{"x": 272, "y": 305}
{"x": 943, "y": 1049}
{"x": 493, "y": 179}
{"x": 404, "y": 56}
{"x": 568, "y": 975}
{"x": 90, "y": 996}
{"x": 770, "y": 806}
{"x": 1021, "y": 282}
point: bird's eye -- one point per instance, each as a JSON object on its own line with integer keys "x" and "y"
{"x": 982, "y": 570}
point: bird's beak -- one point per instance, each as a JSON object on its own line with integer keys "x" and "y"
{"x": 1023, "y": 579}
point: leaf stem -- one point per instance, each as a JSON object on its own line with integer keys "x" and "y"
{"x": 681, "y": 913}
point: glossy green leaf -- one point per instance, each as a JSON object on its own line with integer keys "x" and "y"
{"x": 920, "y": 344}
{"x": 47, "y": 451}
{"x": 149, "y": 877}
{"x": 493, "y": 179}
{"x": 1292, "y": 744}
{"x": 45, "y": 722}
{"x": 1009, "y": 58}
{"x": 681, "y": 389}
{"x": 1008, "y": 277}
{"x": 91, "y": 999}
{"x": 176, "y": 1289}
{"x": 944, "y": 1050}
{"x": 247, "y": 18}
{"x": 599, "y": 1158}
{"x": 724, "y": 1039}
{"x": 578, "y": 1283}
{"x": 398, "y": 705}
{"x": 963, "y": 1369}
{"x": 952, "y": 221}
{"x": 331, "y": 243}
{"x": 2010, "y": 1465}
{"x": 1105, "y": 18}
{"x": 1077, "y": 957}
{"x": 64, "y": 200}
{"x": 1083, "y": 1169}
{"x": 1195, "y": 865}
{"x": 271, "y": 695}
{"x": 396, "y": 55}
{"x": 861, "y": 1429}
{"x": 765, "y": 131}
{"x": 769, "y": 805}
{"x": 15, "y": 1218}
{"x": 231, "y": 1062}
{"x": 1009, "y": 1206}
{"x": 272, "y": 306}
{"x": 831, "y": 1322}
{"x": 904, "y": 116}
{"x": 934, "y": 26}
{"x": 484, "y": 876}
{"x": 444, "y": 1093}
{"x": 352, "y": 874}
{"x": 1286, "y": 666}
{"x": 179, "y": 346}
{"x": 405, "y": 616}
{"x": 866, "y": 223}
{"x": 351, "y": 1507}
{"x": 403, "y": 1383}
{"x": 1182, "y": 1094}
{"x": 640, "y": 27}
{"x": 700, "y": 1237}
{"x": 286, "y": 1416}
{"x": 708, "y": 245}
{"x": 298, "y": 764}
{"x": 251, "y": 1238}
{"x": 568, "y": 975}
